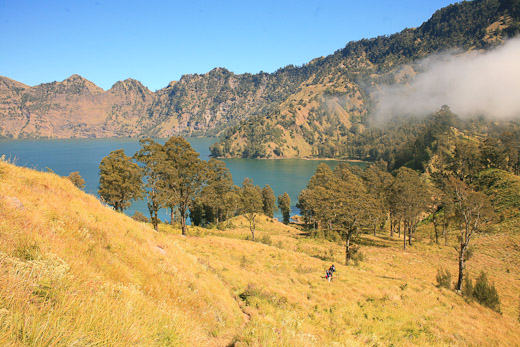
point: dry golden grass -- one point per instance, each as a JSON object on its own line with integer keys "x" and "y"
{"x": 74, "y": 272}
{"x": 390, "y": 298}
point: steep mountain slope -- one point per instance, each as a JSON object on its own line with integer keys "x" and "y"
{"x": 195, "y": 105}
{"x": 333, "y": 106}
{"x": 75, "y": 107}
{"x": 79, "y": 273}
{"x": 207, "y": 104}
{"x": 74, "y": 272}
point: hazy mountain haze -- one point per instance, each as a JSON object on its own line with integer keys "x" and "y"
{"x": 471, "y": 84}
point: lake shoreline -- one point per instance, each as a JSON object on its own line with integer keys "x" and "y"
{"x": 63, "y": 156}
{"x": 297, "y": 158}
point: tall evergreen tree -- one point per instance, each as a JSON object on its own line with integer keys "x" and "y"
{"x": 219, "y": 185}
{"x": 284, "y": 203}
{"x": 269, "y": 201}
{"x": 378, "y": 184}
{"x": 322, "y": 195}
{"x": 353, "y": 205}
{"x": 410, "y": 198}
{"x": 184, "y": 176}
{"x": 306, "y": 207}
{"x": 152, "y": 156}
{"x": 119, "y": 180}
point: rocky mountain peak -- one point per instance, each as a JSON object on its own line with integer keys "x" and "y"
{"x": 76, "y": 84}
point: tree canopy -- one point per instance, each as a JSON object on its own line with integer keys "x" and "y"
{"x": 119, "y": 180}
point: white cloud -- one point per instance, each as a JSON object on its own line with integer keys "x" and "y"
{"x": 473, "y": 83}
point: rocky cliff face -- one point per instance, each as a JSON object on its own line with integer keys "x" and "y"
{"x": 195, "y": 105}
{"x": 74, "y": 107}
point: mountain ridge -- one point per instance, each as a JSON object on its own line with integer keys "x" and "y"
{"x": 347, "y": 77}
{"x": 312, "y": 105}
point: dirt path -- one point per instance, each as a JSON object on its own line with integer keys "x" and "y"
{"x": 229, "y": 339}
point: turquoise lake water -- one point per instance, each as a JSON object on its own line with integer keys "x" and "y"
{"x": 84, "y": 155}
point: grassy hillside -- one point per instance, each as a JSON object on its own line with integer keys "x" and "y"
{"x": 75, "y": 272}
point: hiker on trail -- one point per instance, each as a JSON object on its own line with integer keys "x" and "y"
{"x": 331, "y": 271}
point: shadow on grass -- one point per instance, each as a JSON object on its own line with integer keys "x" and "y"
{"x": 382, "y": 243}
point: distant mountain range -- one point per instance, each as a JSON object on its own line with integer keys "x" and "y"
{"x": 306, "y": 111}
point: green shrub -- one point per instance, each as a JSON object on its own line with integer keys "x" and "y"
{"x": 138, "y": 216}
{"x": 317, "y": 234}
{"x": 266, "y": 240}
{"x": 469, "y": 253}
{"x": 483, "y": 292}
{"x": 358, "y": 257}
{"x": 443, "y": 278}
{"x": 468, "y": 289}
{"x": 251, "y": 290}
{"x": 334, "y": 237}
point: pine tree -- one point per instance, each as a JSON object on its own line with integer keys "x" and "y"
{"x": 152, "y": 156}
{"x": 218, "y": 186}
{"x": 120, "y": 180}
{"x": 183, "y": 177}
{"x": 284, "y": 203}
{"x": 269, "y": 201}
{"x": 409, "y": 198}
{"x": 352, "y": 206}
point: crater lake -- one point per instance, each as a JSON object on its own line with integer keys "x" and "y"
{"x": 64, "y": 156}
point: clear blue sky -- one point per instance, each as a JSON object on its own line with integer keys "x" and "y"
{"x": 158, "y": 41}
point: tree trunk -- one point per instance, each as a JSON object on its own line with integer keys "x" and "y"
{"x": 461, "y": 266}
{"x": 404, "y": 234}
{"x": 156, "y": 221}
{"x": 435, "y": 227}
{"x": 445, "y": 228}
{"x": 410, "y": 230}
{"x": 375, "y": 227}
{"x": 399, "y": 228}
{"x": 347, "y": 249}
{"x": 391, "y": 227}
{"x": 172, "y": 215}
{"x": 153, "y": 209}
{"x": 252, "y": 227}
{"x": 182, "y": 210}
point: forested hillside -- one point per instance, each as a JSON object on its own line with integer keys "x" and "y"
{"x": 330, "y": 115}
{"x": 318, "y": 109}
